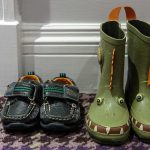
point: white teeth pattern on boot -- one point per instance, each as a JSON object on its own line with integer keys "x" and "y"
{"x": 89, "y": 123}
{"x": 95, "y": 128}
{"x": 121, "y": 131}
{"x": 132, "y": 119}
{"x": 107, "y": 130}
{"x": 128, "y": 123}
{"x": 141, "y": 127}
{"x": 136, "y": 122}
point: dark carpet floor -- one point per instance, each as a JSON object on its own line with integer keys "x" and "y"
{"x": 78, "y": 140}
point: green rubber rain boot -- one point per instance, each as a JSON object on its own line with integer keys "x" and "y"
{"x": 138, "y": 83}
{"x": 107, "y": 120}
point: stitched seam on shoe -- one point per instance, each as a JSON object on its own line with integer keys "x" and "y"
{"x": 112, "y": 70}
{"x": 21, "y": 116}
{"x": 61, "y": 118}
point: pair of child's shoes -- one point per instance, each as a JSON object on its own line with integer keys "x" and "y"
{"x": 54, "y": 104}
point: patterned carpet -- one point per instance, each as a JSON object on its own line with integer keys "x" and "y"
{"x": 79, "y": 140}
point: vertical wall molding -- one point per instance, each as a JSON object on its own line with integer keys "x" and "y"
{"x": 1, "y": 9}
{"x": 8, "y": 8}
{"x": 10, "y": 57}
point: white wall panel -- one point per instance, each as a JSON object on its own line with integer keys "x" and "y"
{"x": 83, "y": 69}
{"x": 59, "y": 49}
{"x": 77, "y": 11}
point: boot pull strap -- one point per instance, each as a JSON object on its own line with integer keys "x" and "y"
{"x": 130, "y": 13}
{"x": 114, "y": 14}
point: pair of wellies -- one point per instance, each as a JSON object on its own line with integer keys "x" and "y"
{"x": 54, "y": 104}
{"x": 114, "y": 112}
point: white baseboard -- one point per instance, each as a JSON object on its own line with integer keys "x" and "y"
{"x": 61, "y": 34}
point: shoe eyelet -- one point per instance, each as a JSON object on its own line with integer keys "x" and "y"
{"x": 73, "y": 105}
{"x": 8, "y": 103}
{"x": 121, "y": 101}
{"x": 100, "y": 101}
{"x": 139, "y": 97}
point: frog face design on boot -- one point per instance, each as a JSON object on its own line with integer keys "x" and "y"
{"x": 107, "y": 120}
{"x": 137, "y": 88}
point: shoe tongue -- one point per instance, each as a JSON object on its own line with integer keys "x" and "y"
{"x": 60, "y": 106}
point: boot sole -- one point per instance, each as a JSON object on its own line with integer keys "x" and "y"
{"x": 144, "y": 136}
{"x": 108, "y": 139}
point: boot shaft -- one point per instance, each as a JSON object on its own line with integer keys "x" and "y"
{"x": 137, "y": 88}
{"x": 138, "y": 51}
{"x": 112, "y": 49}
{"x": 108, "y": 112}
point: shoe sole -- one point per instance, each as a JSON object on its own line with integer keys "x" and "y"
{"x": 60, "y": 127}
{"x": 17, "y": 126}
{"x": 108, "y": 139}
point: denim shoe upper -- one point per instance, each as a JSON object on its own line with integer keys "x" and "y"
{"x": 23, "y": 98}
{"x": 60, "y": 101}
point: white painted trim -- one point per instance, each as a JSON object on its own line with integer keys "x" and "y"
{"x": 8, "y": 23}
{"x": 75, "y": 38}
{"x": 9, "y": 10}
{"x": 60, "y": 34}
{"x": 64, "y": 26}
{"x": 61, "y": 40}
{"x": 2, "y": 9}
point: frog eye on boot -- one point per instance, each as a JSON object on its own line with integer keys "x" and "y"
{"x": 139, "y": 97}
{"x": 121, "y": 100}
{"x": 100, "y": 101}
